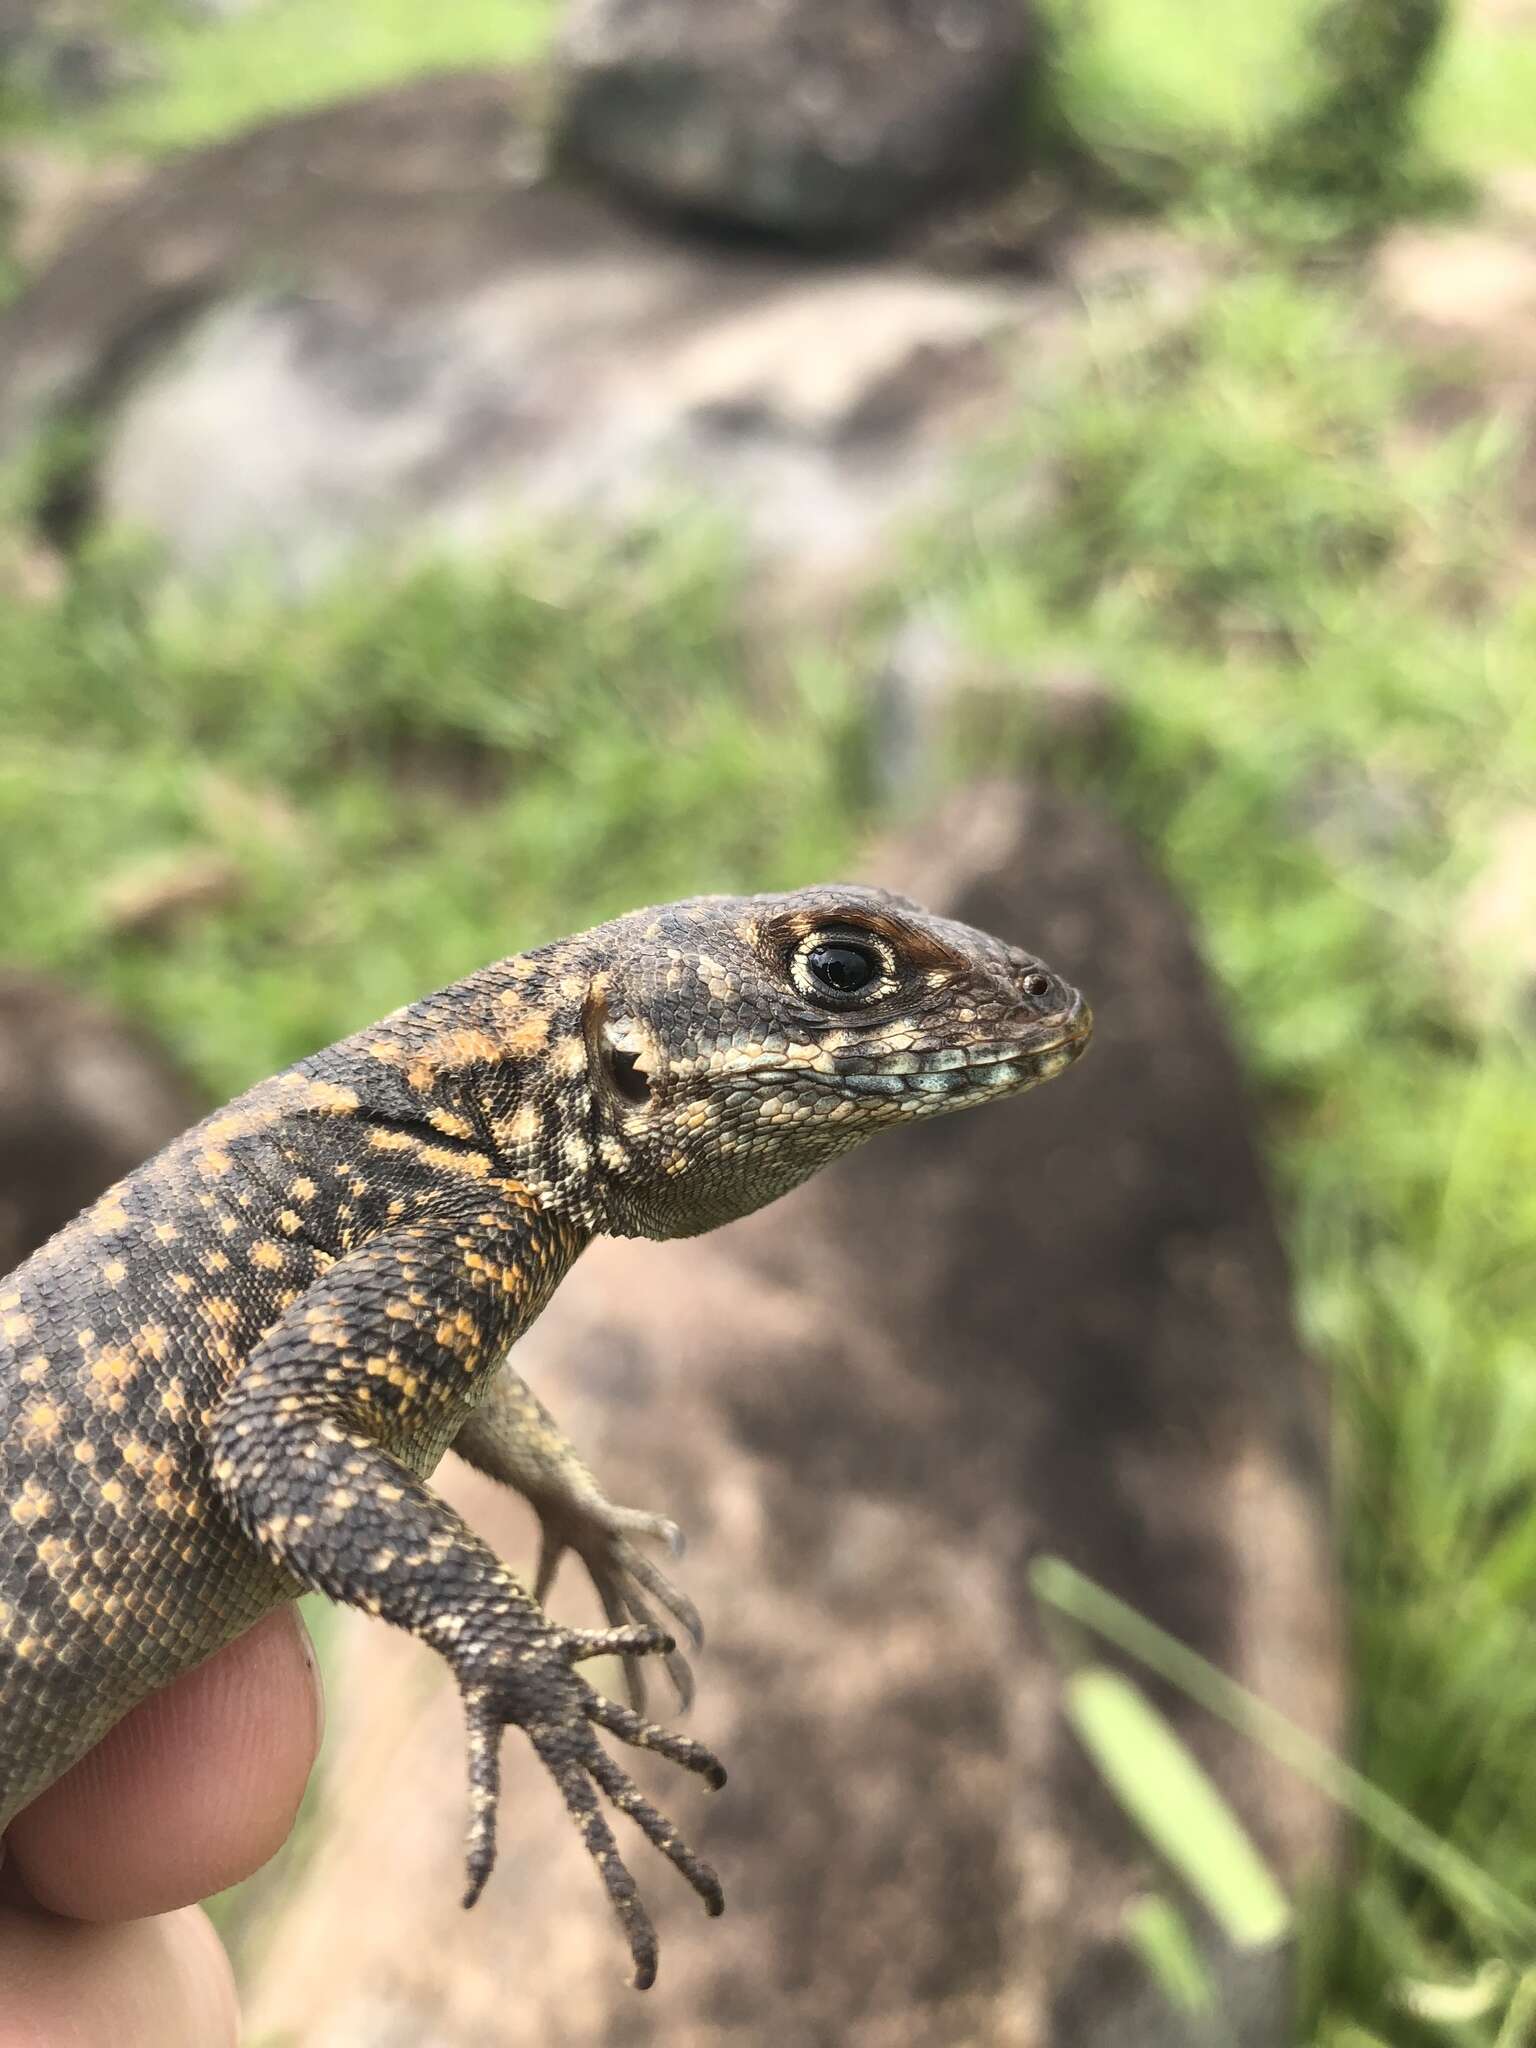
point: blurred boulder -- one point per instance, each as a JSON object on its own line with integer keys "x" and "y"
{"x": 51, "y": 194}
{"x": 373, "y": 326}
{"x": 819, "y": 123}
{"x": 66, "y": 54}
{"x": 1061, "y": 1325}
{"x": 933, "y": 691}
{"x": 388, "y": 200}
{"x": 83, "y": 1100}
{"x": 56, "y": 56}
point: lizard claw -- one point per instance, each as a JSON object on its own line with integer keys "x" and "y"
{"x": 535, "y": 1688}
{"x": 630, "y": 1587}
{"x": 640, "y": 1522}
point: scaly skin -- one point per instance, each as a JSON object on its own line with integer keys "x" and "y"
{"x": 231, "y": 1379}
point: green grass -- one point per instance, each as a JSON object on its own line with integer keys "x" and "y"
{"x": 321, "y": 758}
{"x": 1480, "y": 108}
{"x": 1135, "y": 64}
{"x": 1226, "y": 75}
{"x": 289, "y": 54}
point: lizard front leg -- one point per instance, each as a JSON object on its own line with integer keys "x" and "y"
{"x": 321, "y": 1445}
{"x": 513, "y": 1438}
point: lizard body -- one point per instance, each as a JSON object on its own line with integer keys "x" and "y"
{"x": 230, "y": 1379}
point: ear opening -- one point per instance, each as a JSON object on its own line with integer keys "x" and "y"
{"x": 629, "y": 1078}
{"x": 619, "y": 1068}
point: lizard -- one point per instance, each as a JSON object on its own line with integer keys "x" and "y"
{"x": 230, "y": 1380}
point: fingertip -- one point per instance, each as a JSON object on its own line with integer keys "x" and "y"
{"x": 156, "y": 1983}
{"x": 192, "y": 1791}
{"x": 203, "y": 1972}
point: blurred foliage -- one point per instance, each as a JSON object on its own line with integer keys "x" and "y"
{"x": 398, "y": 780}
{"x": 1197, "y": 1834}
{"x": 1354, "y": 136}
{"x": 206, "y": 79}
{"x": 1176, "y": 1805}
{"x": 1301, "y": 599}
{"x": 1312, "y": 119}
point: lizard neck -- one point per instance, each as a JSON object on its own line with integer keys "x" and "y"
{"x": 493, "y": 1071}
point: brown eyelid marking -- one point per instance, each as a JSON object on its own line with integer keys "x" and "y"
{"x": 915, "y": 947}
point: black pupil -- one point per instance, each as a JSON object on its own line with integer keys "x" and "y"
{"x": 844, "y": 968}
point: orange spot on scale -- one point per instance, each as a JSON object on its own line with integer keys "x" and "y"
{"x": 330, "y": 1099}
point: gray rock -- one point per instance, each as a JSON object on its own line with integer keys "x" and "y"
{"x": 83, "y": 1100}
{"x": 821, "y": 122}
{"x": 377, "y": 326}
{"x": 933, "y": 691}
{"x": 1059, "y": 1326}
{"x": 911, "y": 699}
{"x": 367, "y": 327}
{"x": 393, "y": 199}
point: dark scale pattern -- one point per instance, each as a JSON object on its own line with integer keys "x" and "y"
{"x": 232, "y": 1378}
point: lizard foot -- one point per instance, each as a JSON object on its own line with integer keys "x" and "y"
{"x": 532, "y": 1684}
{"x": 627, "y": 1581}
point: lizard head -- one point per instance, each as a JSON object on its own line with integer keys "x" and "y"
{"x": 736, "y": 1044}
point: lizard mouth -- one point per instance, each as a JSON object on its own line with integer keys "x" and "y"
{"x": 956, "y": 1074}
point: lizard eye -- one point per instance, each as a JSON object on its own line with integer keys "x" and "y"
{"x": 843, "y": 968}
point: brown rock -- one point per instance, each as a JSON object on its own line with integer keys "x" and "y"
{"x": 1059, "y": 1326}
{"x": 83, "y": 1100}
